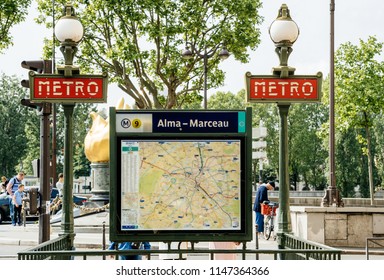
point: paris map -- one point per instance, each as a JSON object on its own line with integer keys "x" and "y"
{"x": 180, "y": 184}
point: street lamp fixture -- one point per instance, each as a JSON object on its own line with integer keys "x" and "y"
{"x": 69, "y": 31}
{"x": 188, "y": 54}
{"x": 283, "y": 32}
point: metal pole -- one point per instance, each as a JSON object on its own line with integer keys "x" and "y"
{"x": 284, "y": 214}
{"x": 332, "y": 195}
{"x": 205, "y": 78}
{"x": 45, "y": 190}
{"x": 332, "y": 99}
{"x": 67, "y": 223}
{"x": 54, "y": 106}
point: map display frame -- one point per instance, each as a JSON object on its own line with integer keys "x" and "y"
{"x": 184, "y": 186}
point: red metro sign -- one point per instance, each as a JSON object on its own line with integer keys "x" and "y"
{"x": 274, "y": 89}
{"x": 77, "y": 88}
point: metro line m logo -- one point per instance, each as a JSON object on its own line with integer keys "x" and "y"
{"x": 293, "y": 89}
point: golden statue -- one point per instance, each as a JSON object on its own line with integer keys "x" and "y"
{"x": 97, "y": 140}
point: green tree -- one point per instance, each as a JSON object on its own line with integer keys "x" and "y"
{"x": 82, "y": 124}
{"x": 269, "y": 115}
{"x": 379, "y": 155}
{"x": 82, "y": 166}
{"x": 14, "y": 120}
{"x": 139, "y": 43}
{"x": 349, "y": 172}
{"x": 226, "y": 100}
{"x": 21, "y": 131}
{"x": 359, "y": 89}
{"x": 12, "y": 12}
{"x": 307, "y": 156}
{"x": 32, "y": 133}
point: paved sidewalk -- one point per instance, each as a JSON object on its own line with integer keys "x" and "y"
{"x": 89, "y": 234}
{"x": 88, "y": 229}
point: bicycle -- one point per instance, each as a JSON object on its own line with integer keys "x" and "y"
{"x": 268, "y": 209}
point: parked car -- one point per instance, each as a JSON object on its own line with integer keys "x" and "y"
{"x": 4, "y": 208}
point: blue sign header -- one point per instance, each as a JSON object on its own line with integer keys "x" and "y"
{"x": 181, "y": 121}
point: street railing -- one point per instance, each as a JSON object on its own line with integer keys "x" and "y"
{"x": 151, "y": 254}
{"x": 296, "y": 248}
{"x": 377, "y": 246}
{"x": 44, "y": 251}
{"x": 313, "y": 250}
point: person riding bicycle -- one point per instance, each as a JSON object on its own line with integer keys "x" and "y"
{"x": 261, "y": 196}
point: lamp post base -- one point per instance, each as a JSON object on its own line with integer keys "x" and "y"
{"x": 100, "y": 183}
{"x": 332, "y": 197}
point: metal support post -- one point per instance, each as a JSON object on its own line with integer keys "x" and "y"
{"x": 45, "y": 190}
{"x": 332, "y": 195}
{"x": 284, "y": 214}
{"x": 67, "y": 224}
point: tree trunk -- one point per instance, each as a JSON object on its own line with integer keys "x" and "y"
{"x": 370, "y": 166}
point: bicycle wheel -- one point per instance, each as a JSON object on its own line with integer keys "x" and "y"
{"x": 267, "y": 227}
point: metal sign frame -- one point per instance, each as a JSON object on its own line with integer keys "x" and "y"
{"x": 102, "y": 79}
{"x": 121, "y": 130}
{"x": 318, "y": 78}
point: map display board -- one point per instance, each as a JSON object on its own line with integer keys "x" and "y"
{"x": 171, "y": 180}
{"x": 181, "y": 185}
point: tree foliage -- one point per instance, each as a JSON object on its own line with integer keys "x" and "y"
{"x": 307, "y": 156}
{"x": 139, "y": 43}
{"x": 348, "y": 171}
{"x": 12, "y": 12}
{"x": 379, "y": 154}
{"x": 20, "y": 134}
{"x": 227, "y": 100}
{"x": 14, "y": 119}
{"x": 359, "y": 89}
{"x": 82, "y": 124}
{"x": 359, "y": 83}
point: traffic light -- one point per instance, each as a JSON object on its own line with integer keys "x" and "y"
{"x": 39, "y": 66}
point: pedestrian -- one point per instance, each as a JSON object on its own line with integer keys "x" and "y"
{"x": 60, "y": 184}
{"x": 13, "y": 186}
{"x": 130, "y": 246}
{"x": 4, "y": 183}
{"x": 17, "y": 205}
{"x": 261, "y": 196}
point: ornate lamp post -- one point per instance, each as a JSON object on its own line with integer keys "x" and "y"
{"x": 284, "y": 32}
{"x": 69, "y": 31}
{"x": 208, "y": 53}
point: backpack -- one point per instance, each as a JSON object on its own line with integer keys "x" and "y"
{"x": 16, "y": 183}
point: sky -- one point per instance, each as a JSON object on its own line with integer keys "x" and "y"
{"x": 354, "y": 20}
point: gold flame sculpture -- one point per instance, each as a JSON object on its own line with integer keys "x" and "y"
{"x": 97, "y": 139}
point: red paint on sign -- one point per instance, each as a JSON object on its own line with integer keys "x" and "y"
{"x": 67, "y": 88}
{"x": 283, "y": 89}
